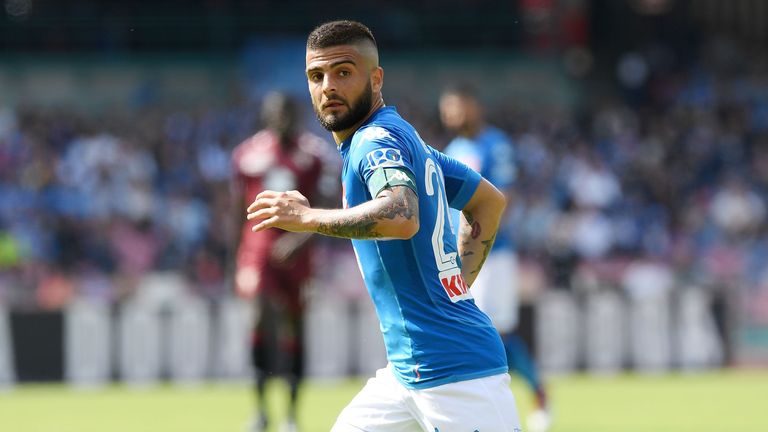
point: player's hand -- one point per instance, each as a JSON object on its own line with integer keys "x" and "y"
{"x": 284, "y": 210}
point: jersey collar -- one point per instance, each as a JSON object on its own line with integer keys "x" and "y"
{"x": 344, "y": 145}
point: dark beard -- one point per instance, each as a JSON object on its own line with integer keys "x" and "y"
{"x": 357, "y": 112}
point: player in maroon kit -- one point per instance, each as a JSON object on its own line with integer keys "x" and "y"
{"x": 274, "y": 265}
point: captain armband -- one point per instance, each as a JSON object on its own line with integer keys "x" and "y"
{"x": 389, "y": 177}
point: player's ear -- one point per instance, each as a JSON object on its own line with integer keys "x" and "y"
{"x": 377, "y": 79}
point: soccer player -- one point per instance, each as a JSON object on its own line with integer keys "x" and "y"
{"x": 273, "y": 266}
{"x": 447, "y": 368}
{"x": 489, "y": 151}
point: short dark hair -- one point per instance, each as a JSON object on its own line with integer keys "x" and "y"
{"x": 461, "y": 89}
{"x": 335, "y": 33}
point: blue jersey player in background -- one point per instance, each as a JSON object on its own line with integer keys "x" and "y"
{"x": 447, "y": 367}
{"x": 489, "y": 151}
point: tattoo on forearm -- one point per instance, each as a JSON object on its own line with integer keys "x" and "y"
{"x": 402, "y": 202}
{"x": 361, "y": 227}
{"x": 475, "y": 233}
{"x": 474, "y": 226}
{"x": 464, "y": 231}
{"x": 465, "y": 248}
{"x": 487, "y": 245}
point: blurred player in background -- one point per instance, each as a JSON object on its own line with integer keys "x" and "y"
{"x": 447, "y": 368}
{"x": 489, "y": 151}
{"x": 274, "y": 266}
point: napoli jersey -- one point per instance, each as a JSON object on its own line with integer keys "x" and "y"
{"x": 491, "y": 154}
{"x": 433, "y": 331}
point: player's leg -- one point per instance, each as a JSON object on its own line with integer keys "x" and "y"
{"x": 483, "y": 404}
{"x": 295, "y": 349}
{"x": 263, "y": 346}
{"x": 379, "y": 407}
{"x": 521, "y": 361}
{"x": 292, "y": 342}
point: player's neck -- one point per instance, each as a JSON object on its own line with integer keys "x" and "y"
{"x": 286, "y": 142}
{"x": 340, "y": 136}
{"x": 471, "y": 131}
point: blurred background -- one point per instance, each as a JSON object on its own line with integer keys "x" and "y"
{"x": 641, "y": 137}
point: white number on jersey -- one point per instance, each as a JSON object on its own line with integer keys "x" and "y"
{"x": 447, "y": 263}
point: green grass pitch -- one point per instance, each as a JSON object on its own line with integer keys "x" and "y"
{"x": 711, "y": 402}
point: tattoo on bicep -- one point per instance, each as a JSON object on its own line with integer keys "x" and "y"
{"x": 403, "y": 202}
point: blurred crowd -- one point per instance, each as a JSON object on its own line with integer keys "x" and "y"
{"x": 672, "y": 174}
{"x": 671, "y": 170}
{"x": 680, "y": 178}
{"x": 90, "y": 203}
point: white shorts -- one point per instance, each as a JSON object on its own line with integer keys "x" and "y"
{"x": 385, "y": 405}
{"x": 495, "y": 290}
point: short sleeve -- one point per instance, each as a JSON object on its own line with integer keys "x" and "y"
{"x": 461, "y": 181}
{"x": 375, "y": 148}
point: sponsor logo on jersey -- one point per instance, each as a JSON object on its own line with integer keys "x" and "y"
{"x": 398, "y": 175}
{"x": 374, "y": 133}
{"x": 455, "y": 285}
{"x": 254, "y": 163}
{"x": 280, "y": 179}
{"x": 385, "y": 157}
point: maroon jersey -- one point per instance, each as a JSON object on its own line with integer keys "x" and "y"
{"x": 260, "y": 163}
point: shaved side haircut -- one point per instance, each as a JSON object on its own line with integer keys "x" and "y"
{"x": 337, "y": 33}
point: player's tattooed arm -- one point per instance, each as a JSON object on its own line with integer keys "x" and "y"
{"x": 477, "y": 232}
{"x": 361, "y": 226}
{"x": 470, "y": 230}
{"x": 394, "y": 213}
{"x": 399, "y": 202}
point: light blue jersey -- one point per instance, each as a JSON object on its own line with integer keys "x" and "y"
{"x": 433, "y": 332}
{"x": 491, "y": 154}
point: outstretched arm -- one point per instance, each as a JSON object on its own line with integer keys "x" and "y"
{"x": 479, "y": 223}
{"x": 393, "y": 214}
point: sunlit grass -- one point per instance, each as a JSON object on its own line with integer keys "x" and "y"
{"x": 716, "y": 402}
